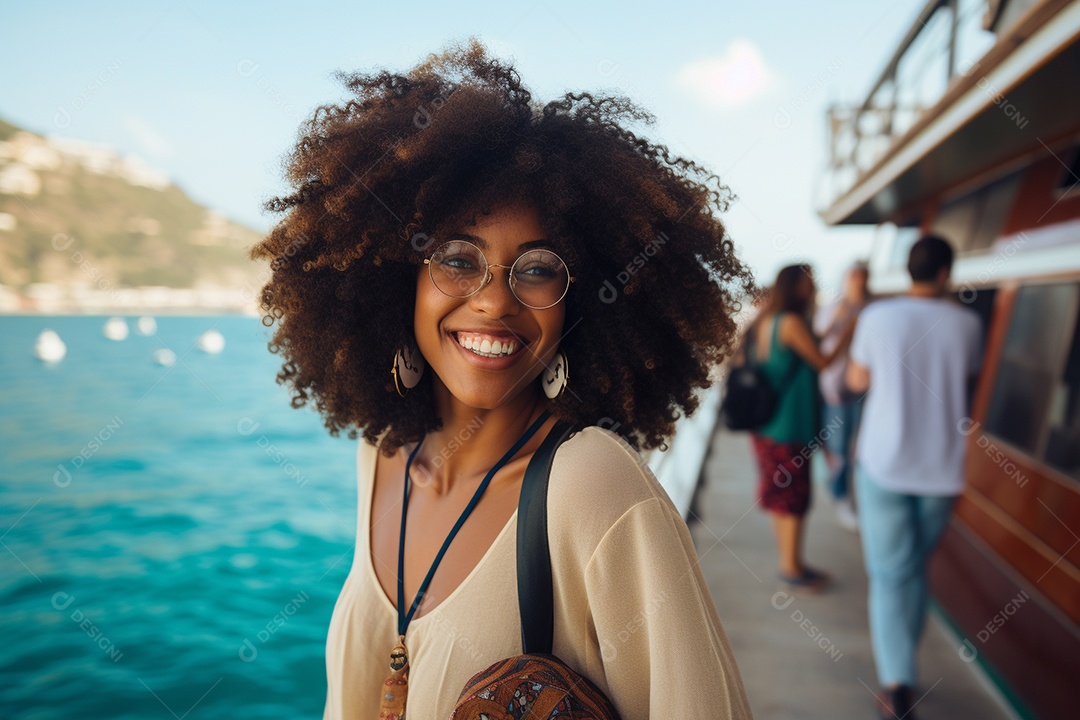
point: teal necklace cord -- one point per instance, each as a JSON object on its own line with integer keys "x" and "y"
{"x": 403, "y": 619}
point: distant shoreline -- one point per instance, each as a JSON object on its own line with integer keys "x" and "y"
{"x": 63, "y": 299}
{"x": 127, "y": 312}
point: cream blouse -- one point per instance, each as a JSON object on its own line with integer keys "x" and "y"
{"x": 633, "y": 612}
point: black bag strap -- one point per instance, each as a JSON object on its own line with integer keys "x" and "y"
{"x": 535, "y": 600}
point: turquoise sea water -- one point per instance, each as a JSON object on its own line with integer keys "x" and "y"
{"x": 173, "y": 538}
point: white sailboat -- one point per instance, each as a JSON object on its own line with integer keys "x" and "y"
{"x": 116, "y": 328}
{"x": 212, "y": 342}
{"x": 49, "y": 347}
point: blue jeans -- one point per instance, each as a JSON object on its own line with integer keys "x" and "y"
{"x": 839, "y": 423}
{"x": 898, "y": 532}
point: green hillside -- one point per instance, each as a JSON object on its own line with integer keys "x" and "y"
{"x": 109, "y": 233}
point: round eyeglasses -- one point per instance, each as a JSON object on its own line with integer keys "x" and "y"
{"x": 539, "y": 278}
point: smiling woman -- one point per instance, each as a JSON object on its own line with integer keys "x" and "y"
{"x": 450, "y": 280}
{"x": 467, "y": 310}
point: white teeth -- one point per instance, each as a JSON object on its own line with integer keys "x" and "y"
{"x": 486, "y": 346}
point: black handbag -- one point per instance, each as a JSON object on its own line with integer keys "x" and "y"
{"x": 750, "y": 399}
{"x": 536, "y": 684}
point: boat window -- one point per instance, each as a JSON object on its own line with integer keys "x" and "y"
{"x": 974, "y": 221}
{"x": 955, "y": 221}
{"x": 1034, "y": 400}
{"x": 1063, "y": 439}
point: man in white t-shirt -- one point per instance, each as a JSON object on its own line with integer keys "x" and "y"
{"x": 915, "y": 356}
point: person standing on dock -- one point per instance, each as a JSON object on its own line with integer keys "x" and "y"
{"x": 788, "y": 352}
{"x": 842, "y": 406}
{"x": 914, "y": 355}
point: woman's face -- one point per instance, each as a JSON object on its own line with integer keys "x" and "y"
{"x": 442, "y": 323}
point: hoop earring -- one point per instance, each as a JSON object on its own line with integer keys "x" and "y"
{"x": 556, "y": 376}
{"x": 407, "y": 369}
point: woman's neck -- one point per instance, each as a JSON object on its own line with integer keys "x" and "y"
{"x": 471, "y": 440}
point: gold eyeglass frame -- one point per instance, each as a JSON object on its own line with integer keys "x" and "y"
{"x": 488, "y": 275}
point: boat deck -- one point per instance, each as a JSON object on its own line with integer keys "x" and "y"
{"x": 804, "y": 656}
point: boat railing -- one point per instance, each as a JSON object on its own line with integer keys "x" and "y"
{"x": 944, "y": 42}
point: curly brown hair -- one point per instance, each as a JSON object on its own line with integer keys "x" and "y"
{"x": 377, "y": 178}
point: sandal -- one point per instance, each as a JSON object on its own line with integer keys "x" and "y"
{"x": 809, "y": 578}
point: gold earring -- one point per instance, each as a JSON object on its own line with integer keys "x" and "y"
{"x": 556, "y": 376}
{"x": 407, "y": 369}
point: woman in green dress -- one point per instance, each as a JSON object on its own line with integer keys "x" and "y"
{"x": 789, "y": 355}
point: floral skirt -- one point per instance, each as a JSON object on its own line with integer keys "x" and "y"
{"x": 783, "y": 475}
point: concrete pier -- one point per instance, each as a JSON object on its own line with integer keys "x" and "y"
{"x": 801, "y": 655}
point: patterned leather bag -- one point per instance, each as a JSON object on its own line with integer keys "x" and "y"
{"x": 536, "y": 684}
{"x": 531, "y": 686}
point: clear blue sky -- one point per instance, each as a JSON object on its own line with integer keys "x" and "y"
{"x": 212, "y": 93}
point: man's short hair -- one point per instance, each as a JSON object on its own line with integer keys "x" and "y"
{"x": 928, "y": 256}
